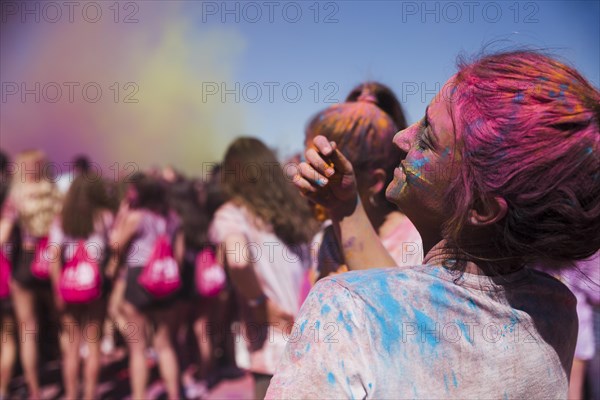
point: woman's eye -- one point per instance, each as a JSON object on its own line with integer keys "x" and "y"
{"x": 422, "y": 142}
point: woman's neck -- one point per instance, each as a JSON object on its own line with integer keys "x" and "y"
{"x": 486, "y": 264}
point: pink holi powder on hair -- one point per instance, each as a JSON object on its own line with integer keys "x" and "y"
{"x": 362, "y": 131}
{"x": 521, "y": 120}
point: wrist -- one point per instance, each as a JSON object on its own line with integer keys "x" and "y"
{"x": 344, "y": 210}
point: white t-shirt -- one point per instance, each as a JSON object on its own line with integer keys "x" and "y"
{"x": 423, "y": 332}
{"x": 280, "y": 270}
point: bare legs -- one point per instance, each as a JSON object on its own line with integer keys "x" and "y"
{"x": 82, "y": 326}
{"x": 134, "y": 332}
{"x": 24, "y": 305}
{"x": 8, "y": 355}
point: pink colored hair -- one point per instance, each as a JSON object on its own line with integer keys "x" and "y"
{"x": 363, "y": 133}
{"x": 528, "y": 132}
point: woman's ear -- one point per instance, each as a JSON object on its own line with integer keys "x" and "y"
{"x": 377, "y": 183}
{"x": 487, "y": 211}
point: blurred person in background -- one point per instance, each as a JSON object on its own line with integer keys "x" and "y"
{"x": 363, "y": 131}
{"x": 584, "y": 282}
{"x": 8, "y": 355}
{"x": 213, "y": 196}
{"x": 80, "y": 165}
{"x": 116, "y": 190}
{"x": 593, "y": 367}
{"x": 262, "y": 233}
{"x": 32, "y": 204}
{"x": 142, "y": 219}
{"x": 203, "y": 309}
{"x": 86, "y": 217}
{"x": 4, "y": 176}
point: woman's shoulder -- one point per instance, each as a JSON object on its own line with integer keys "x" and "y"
{"x": 227, "y": 219}
{"x": 236, "y": 211}
{"x": 229, "y": 211}
{"x": 230, "y": 206}
{"x": 381, "y": 284}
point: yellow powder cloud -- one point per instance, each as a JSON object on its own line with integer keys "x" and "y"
{"x": 154, "y": 115}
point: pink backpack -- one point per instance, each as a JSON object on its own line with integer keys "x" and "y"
{"x": 80, "y": 280}
{"x": 210, "y": 275}
{"x": 160, "y": 276}
{"x": 40, "y": 268}
{"x": 4, "y": 276}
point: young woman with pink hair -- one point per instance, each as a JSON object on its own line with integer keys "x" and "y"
{"x": 501, "y": 175}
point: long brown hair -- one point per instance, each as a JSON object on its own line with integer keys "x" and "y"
{"x": 252, "y": 176}
{"x": 83, "y": 201}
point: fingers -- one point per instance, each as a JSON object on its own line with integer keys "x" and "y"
{"x": 316, "y": 168}
{"x": 327, "y": 176}
{"x": 341, "y": 163}
{"x": 330, "y": 158}
{"x": 323, "y": 145}
{"x": 312, "y": 174}
{"x": 311, "y": 190}
{"x": 304, "y": 185}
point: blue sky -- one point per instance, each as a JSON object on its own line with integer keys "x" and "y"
{"x": 407, "y": 45}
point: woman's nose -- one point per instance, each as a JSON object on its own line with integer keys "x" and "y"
{"x": 405, "y": 138}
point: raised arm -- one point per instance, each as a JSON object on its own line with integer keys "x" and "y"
{"x": 327, "y": 178}
{"x": 8, "y": 216}
{"x": 126, "y": 224}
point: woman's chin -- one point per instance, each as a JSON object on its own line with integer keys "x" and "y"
{"x": 394, "y": 190}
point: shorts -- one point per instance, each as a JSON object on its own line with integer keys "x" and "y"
{"x": 21, "y": 272}
{"x": 85, "y": 312}
{"x": 139, "y": 297}
{"x": 6, "y": 306}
